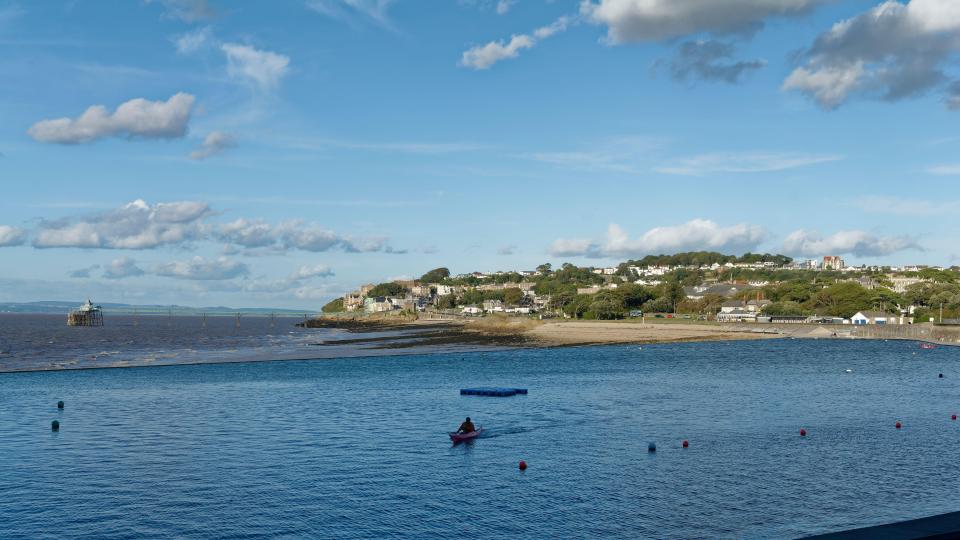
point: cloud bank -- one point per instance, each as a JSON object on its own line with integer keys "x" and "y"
{"x": 695, "y": 235}
{"x": 137, "y": 118}
{"x": 859, "y": 243}
{"x": 892, "y": 51}
{"x": 660, "y": 20}
{"x": 12, "y": 236}
{"x": 136, "y": 225}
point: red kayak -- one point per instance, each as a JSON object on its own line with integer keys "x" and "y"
{"x": 460, "y": 437}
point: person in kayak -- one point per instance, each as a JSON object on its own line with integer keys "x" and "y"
{"x": 466, "y": 427}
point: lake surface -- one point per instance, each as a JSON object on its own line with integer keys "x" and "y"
{"x": 356, "y": 448}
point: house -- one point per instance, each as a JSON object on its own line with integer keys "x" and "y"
{"x": 756, "y": 306}
{"x": 874, "y": 317}
{"x": 377, "y": 304}
{"x": 732, "y": 305}
{"x": 471, "y": 311}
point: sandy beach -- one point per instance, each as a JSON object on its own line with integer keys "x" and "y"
{"x": 600, "y": 332}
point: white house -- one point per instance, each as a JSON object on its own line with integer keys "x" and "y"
{"x": 471, "y": 310}
{"x": 874, "y": 317}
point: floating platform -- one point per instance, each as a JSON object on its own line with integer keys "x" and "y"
{"x": 492, "y": 391}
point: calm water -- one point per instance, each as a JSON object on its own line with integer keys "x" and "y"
{"x": 37, "y": 342}
{"x": 356, "y": 448}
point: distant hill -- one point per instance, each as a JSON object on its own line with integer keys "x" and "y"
{"x": 61, "y": 307}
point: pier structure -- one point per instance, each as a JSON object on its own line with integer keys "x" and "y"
{"x": 86, "y": 315}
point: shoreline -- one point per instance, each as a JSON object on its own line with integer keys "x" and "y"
{"x": 407, "y": 337}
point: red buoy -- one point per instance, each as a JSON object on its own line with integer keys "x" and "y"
{"x": 898, "y": 425}
{"x": 686, "y": 443}
{"x": 953, "y": 417}
{"x": 523, "y": 465}
{"x": 803, "y": 432}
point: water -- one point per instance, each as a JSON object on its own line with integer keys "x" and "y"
{"x": 356, "y": 448}
{"x": 41, "y": 342}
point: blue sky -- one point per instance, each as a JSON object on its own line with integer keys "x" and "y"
{"x": 279, "y": 153}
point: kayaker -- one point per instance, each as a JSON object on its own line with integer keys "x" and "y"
{"x": 467, "y": 426}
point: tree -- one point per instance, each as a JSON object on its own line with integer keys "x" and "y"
{"x": 843, "y": 299}
{"x": 436, "y": 275}
{"x": 544, "y": 268}
{"x": 512, "y": 296}
{"x": 448, "y": 301}
{"x": 674, "y": 293}
{"x": 786, "y": 307}
{"x": 333, "y": 306}
{"x": 606, "y": 309}
{"x": 386, "y": 289}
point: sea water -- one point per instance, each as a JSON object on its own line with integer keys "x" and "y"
{"x": 357, "y": 447}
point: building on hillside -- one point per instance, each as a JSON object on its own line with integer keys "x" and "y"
{"x": 756, "y": 306}
{"x": 352, "y": 301}
{"x": 377, "y": 304}
{"x": 900, "y": 284}
{"x": 832, "y": 262}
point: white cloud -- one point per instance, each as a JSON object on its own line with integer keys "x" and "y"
{"x": 136, "y": 225}
{"x": 265, "y": 68}
{"x": 485, "y": 56}
{"x": 193, "y": 41}
{"x": 661, "y": 20}
{"x": 695, "y": 235}
{"x": 186, "y": 10}
{"x": 12, "y": 236}
{"x": 248, "y": 233}
{"x": 743, "y": 162}
{"x": 122, "y": 267}
{"x": 216, "y": 142}
{"x": 894, "y": 51}
{"x": 137, "y": 118}
{"x": 311, "y": 271}
{"x": 859, "y": 243}
{"x": 945, "y": 170}
{"x": 377, "y": 10}
{"x": 200, "y": 268}
{"x": 503, "y": 6}
{"x": 296, "y": 234}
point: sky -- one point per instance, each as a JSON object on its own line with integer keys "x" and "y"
{"x": 206, "y": 152}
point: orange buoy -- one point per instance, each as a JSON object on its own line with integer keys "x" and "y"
{"x": 803, "y": 432}
{"x": 523, "y": 465}
{"x": 686, "y": 443}
{"x": 898, "y": 425}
